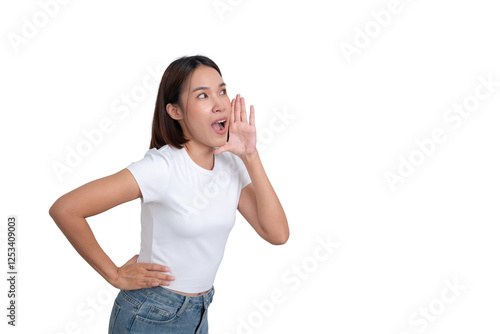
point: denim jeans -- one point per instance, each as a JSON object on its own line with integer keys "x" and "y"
{"x": 159, "y": 310}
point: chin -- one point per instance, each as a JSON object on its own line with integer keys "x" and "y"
{"x": 220, "y": 143}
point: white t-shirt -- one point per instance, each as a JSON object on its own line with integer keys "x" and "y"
{"x": 187, "y": 213}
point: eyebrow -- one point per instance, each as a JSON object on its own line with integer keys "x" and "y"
{"x": 204, "y": 87}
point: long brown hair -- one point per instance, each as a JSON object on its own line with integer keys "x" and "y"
{"x": 166, "y": 130}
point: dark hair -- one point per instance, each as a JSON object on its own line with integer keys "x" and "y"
{"x": 166, "y": 130}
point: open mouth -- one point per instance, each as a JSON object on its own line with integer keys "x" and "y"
{"x": 219, "y": 126}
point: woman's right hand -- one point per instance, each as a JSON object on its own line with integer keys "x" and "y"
{"x": 70, "y": 212}
{"x": 133, "y": 275}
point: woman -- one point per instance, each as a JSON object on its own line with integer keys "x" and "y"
{"x": 202, "y": 165}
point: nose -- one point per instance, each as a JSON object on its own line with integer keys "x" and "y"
{"x": 218, "y": 106}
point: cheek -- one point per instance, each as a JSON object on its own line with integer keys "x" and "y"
{"x": 227, "y": 103}
{"x": 197, "y": 120}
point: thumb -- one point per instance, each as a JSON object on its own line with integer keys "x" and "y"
{"x": 133, "y": 259}
{"x": 221, "y": 149}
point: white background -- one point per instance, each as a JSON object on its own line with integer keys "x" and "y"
{"x": 348, "y": 122}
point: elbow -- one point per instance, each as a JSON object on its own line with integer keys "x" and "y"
{"x": 280, "y": 234}
{"x": 280, "y": 239}
{"x": 57, "y": 210}
{"x": 53, "y": 210}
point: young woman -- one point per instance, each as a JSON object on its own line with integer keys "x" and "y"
{"x": 202, "y": 165}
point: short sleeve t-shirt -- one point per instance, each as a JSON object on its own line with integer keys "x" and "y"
{"x": 187, "y": 213}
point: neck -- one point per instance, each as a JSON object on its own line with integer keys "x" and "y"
{"x": 202, "y": 155}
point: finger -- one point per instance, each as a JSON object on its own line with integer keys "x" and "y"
{"x": 231, "y": 114}
{"x": 158, "y": 275}
{"x": 147, "y": 282}
{"x": 162, "y": 280}
{"x": 150, "y": 282}
{"x": 155, "y": 267}
{"x": 221, "y": 149}
{"x": 237, "y": 108}
{"x": 153, "y": 283}
{"x": 132, "y": 260}
{"x": 164, "y": 277}
{"x": 252, "y": 116}
{"x": 243, "y": 113}
{"x": 168, "y": 278}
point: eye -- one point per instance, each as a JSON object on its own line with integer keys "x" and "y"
{"x": 223, "y": 92}
{"x": 202, "y": 96}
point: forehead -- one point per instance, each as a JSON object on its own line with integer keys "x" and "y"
{"x": 205, "y": 76}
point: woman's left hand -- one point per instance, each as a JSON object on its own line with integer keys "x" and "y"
{"x": 242, "y": 134}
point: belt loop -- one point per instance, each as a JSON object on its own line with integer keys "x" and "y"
{"x": 207, "y": 297}
{"x": 184, "y": 305}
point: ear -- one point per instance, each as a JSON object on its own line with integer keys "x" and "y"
{"x": 174, "y": 111}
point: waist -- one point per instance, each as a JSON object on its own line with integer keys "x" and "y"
{"x": 194, "y": 266}
{"x": 173, "y": 298}
{"x": 186, "y": 293}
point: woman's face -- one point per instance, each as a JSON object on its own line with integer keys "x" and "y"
{"x": 205, "y": 103}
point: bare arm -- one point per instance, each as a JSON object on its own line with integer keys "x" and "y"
{"x": 260, "y": 205}
{"x": 70, "y": 212}
{"x": 258, "y": 202}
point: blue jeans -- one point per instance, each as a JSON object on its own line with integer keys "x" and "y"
{"x": 158, "y": 310}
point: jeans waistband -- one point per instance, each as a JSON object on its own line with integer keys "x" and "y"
{"x": 169, "y": 297}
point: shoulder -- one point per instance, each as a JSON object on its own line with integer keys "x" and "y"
{"x": 153, "y": 173}
{"x": 163, "y": 155}
{"x": 168, "y": 153}
{"x": 155, "y": 160}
